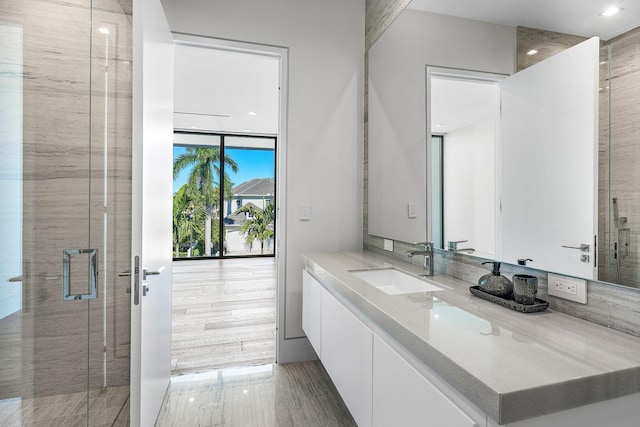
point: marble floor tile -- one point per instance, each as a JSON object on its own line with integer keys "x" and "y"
{"x": 223, "y": 313}
{"x": 295, "y": 394}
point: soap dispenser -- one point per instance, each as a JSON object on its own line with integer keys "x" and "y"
{"x": 494, "y": 283}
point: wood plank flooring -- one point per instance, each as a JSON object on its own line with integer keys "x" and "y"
{"x": 224, "y": 314}
{"x": 294, "y": 394}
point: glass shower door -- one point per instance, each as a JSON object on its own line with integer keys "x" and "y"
{"x": 65, "y": 137}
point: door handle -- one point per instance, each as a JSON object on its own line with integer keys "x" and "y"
{"x": 583, "y": 247}
{"x": 146, "y": 273}
{"x": 126, "y": 273}
{"x": 66, "y": 274}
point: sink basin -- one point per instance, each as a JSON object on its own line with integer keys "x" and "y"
{"x": 392, "y": 281}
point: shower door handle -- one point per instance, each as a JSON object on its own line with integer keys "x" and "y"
{"x": 66, "y": 274}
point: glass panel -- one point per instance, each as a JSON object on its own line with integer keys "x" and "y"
{"x": 65, "y": 180}
{"x": 247, "y": 226}
{"x": 196, "y": 199}
{"x": 249, "y": 210}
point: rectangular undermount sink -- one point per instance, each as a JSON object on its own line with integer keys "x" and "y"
{"x": 392, "y": 281}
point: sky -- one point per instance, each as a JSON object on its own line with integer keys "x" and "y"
{"x": 252, "y": 163}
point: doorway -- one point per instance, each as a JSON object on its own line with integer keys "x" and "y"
{"x": 226, "y": 260}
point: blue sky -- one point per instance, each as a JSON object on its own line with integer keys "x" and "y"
{"x": 252, "y": 164}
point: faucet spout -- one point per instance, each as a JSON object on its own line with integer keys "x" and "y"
{"x": 427, "y": 253}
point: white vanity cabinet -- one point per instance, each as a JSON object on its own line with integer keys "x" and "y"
{"x": 347, "y": 356}
{"x": 390, "y": 374}
{"x": 311, "y": 310}
{"x": 379, "y": 386}
{"x": 402, "y": 397}
{"x": 344, "y": 345}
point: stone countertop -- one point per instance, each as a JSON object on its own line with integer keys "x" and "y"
{"x": 511, "y": 365}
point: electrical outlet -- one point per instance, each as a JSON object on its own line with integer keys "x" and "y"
{"x": 568, "y": 288}
{"x": 388, "y": 245}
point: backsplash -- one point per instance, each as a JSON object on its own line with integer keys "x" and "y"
{"x": 616, "y": 307}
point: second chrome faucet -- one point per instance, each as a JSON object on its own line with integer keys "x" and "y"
{"x": 426, "y": 250}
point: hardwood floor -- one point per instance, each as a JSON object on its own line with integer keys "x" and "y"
{"x": 294, "y": 394}
{"x": 224, "y": 314}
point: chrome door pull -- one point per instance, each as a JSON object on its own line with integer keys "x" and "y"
{"x": 126, "y": 273}
{"x": 66, "y": 274}
{"x": 583, "y": 247}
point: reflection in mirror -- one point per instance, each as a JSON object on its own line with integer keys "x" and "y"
{"x": 437, "y": 34}
{"x": 464, "y": 108}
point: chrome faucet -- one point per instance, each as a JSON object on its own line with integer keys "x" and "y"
{"x": 427, "y": 253}
{"x": 453, "y": 247}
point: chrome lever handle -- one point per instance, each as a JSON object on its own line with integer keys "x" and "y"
{"x": 583, "y": 247}
{"x": 126, "y": 273}
{"x": 146, "y": 273}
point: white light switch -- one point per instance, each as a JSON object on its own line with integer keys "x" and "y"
{"x": 413, "y": 210}
{"x": 305, "y": 212}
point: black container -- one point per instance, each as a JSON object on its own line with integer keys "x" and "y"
{"x": 525, "y": 288}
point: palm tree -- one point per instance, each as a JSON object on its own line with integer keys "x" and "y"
{"x": 205, "y": 164}
{"x": 188, "y": 214}
{"x": 258, "y": 226}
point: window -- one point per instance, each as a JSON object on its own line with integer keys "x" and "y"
{"x": 240, "y": 213}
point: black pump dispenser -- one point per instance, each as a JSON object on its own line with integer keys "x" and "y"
{"x": 496, "y": 267}
{"x": 495, "y": 283}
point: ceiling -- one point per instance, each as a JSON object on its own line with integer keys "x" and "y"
{"x": 218, "y": 93}
{"x": 458, "y": 103}
{"x": 220, "y": 90}
{"x": 577, "y": 17}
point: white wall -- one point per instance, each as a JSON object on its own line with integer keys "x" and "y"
{"x": 469, "y": 164}
{"x": 397, "y": 107}
{"x": 325, "y": 115}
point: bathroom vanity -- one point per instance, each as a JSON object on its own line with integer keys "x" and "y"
{"x": 401, "y": 355}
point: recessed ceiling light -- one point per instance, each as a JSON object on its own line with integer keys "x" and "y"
{"x": 252, "y": 113}
{"x": 193, "y": 127}
{"x": 248, "y": 130}
{"x": 532, "y": 52}
{"x": 439, "y": 125}
{"x": 103, "y": 30}
{"x": 610, "y": 11}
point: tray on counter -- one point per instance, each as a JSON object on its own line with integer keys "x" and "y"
{"x": 539, "y": 305}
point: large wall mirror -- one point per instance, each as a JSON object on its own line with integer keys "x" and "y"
{"x": 595, "y": 188}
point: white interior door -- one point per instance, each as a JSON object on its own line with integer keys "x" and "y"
{"x": 549, "y": 162}
{"x": 151, "y": 211}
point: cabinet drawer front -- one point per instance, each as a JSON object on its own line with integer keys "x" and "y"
{"x": 347, "y": 356}
{"x": 311, "y": 310}
{"x": 403, "y": 397}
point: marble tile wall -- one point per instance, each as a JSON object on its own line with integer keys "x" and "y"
{"x": 613, "y": 306}
{"x": 64, "y": 192}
